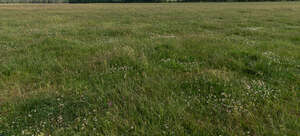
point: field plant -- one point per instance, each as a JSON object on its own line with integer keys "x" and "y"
{"x": 198, "y": 69}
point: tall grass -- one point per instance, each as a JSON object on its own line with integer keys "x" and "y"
{"x": 186, "y": 69}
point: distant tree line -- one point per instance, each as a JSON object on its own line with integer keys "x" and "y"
{"x": 126, "y": 1}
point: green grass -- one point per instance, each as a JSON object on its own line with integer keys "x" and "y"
{"x": 150, "y": 69}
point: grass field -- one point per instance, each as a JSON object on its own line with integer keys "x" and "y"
{"x": 211, "y": 69}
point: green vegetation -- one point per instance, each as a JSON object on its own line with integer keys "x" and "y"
{"x": 128, "y": 1}
{"x": 150, "y": 69}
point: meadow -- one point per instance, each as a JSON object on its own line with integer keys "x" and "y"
{"x": 199, "y": 69}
